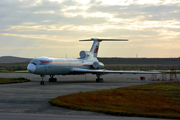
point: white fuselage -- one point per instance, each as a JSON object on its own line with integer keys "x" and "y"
{"x": 66, "y": 66}
{"x": 58, "y": 66}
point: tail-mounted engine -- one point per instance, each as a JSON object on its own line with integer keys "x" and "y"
{"x": 84, "y": 54}
{"x": 98, "y": 65}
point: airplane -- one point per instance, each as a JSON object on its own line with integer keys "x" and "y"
{"x": 87, "y": 63}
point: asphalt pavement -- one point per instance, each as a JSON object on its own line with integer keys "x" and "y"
{"x": 30, "y": 100}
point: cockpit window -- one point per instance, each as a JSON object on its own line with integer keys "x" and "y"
{"x": 33, "y": 63}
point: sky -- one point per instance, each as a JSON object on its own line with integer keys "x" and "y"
{"x": 35, "y": 28}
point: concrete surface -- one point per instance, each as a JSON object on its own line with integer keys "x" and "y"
{"x": 30, "y": 100}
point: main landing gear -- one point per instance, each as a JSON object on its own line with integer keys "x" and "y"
{"x": 42, "y": 82}
{"x": 98, "y": 78}
{"x": 52, "y": 79}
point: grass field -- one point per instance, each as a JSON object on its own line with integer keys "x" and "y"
{"x": 140, "y": 67}
{"x": 13, "y": 80}
{"x": 11, "y": 67}
{"x": 160, "y": 100}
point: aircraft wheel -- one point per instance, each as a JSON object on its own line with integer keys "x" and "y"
{"x": 42, "y": 83}
{"x": 99, "y": 80}
{"x": 52, "y": 79}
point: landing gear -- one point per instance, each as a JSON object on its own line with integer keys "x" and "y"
{"x": 42, "y": 82}
{"x": 98, "y": 78}
{"x": 52, "y": 79}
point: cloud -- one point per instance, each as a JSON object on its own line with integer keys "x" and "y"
{"x": 148, "y": 22}
{"x": 159, "y": 12}
{"x": 44, "y": 37}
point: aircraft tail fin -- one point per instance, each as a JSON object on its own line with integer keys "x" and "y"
{"x": 95, "y": 47}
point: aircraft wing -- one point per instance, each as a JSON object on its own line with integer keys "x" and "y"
{"x": 103, "y": 71}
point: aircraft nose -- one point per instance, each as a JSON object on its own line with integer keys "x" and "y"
{"x": 31, "y": 68}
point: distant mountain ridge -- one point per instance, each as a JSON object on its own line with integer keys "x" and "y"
{"x": 138, "y": 61}
{"x": 12, "y": 59}
{"x": 141, "y": 61}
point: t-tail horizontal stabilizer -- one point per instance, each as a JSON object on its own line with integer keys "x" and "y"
{"x": 98, "y": 39}
{"x": 96, "y": 43}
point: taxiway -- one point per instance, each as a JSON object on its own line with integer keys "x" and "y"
{"x": 30, "y": 100}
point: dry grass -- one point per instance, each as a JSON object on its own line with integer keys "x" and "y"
{"x": 152, "y": 100}
{"x": 13, "y": 80}
{"x": 10, "y": 67}
{"x": 143, "y": 67}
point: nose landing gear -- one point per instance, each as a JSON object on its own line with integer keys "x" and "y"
{"x": 42, "y": 82}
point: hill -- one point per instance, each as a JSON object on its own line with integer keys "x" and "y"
{"x": 140, "y": 61}
{"x": 11, "y": 59}
{"x": 10, "y": 63}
